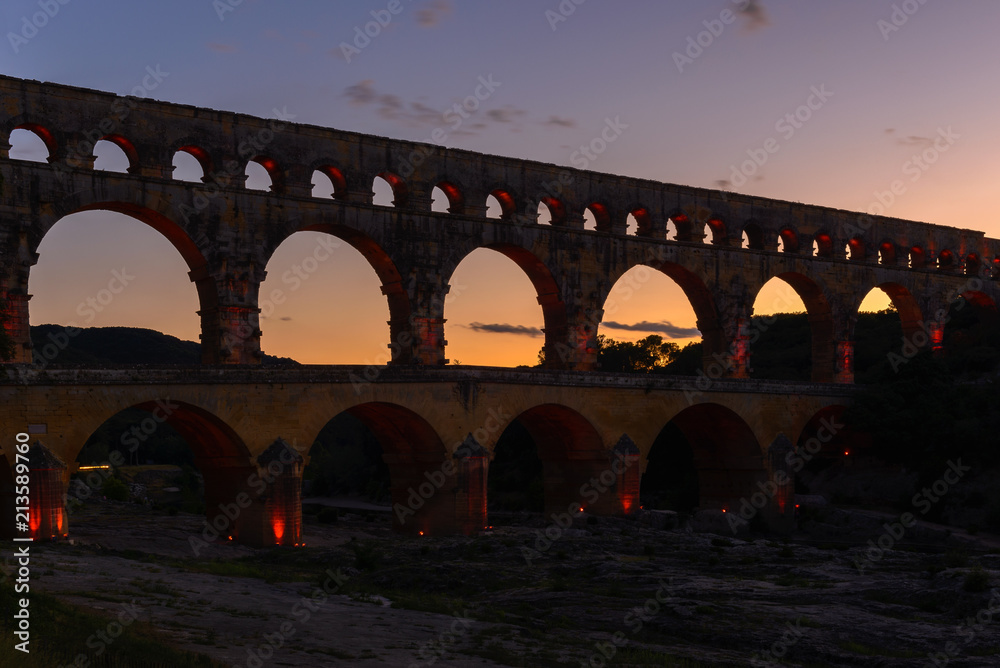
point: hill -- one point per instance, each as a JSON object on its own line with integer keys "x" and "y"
{"x": 58, "y": 345}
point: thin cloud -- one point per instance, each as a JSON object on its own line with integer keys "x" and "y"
{"x": 665, "y": 327}
{"x": 417, "y": 114}
{"x": 502, "y": 328}
{"x": 561, "y": 122}
{"x": 915, "y": 140}
{"x": 912, "y": 141}
{"x": 362, "y": 92}
{"x": 506, "y": 114}
{"x": 432, "y": 13}
{"x": 222, "y": 48}
{"x": 754, "y": 15}
{"x": 392, "y": 107}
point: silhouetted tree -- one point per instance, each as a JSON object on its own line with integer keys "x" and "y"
{"x": 647, "y": 355}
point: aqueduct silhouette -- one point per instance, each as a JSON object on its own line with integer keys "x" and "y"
{"x": 429, "y": 417}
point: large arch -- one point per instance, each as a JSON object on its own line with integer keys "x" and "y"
{"x": 167, "y": 227}
{"x": 392, "y": 286}
{"x": 724, "y": 452}
{"x": 874, "y": 332}
{"x": 422, "y": 478}
{"x": 572, "y": 455}
{"x": 823, "y": 345}
{"x": 699, "y": 298}
{"x": 234, "y": 506}
{"x": 971, "y": 329}
{"x": 825, "y": 449}
{"x": 547, "y": 293}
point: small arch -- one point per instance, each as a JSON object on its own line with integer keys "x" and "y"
{"x": 502, "y": 206}
{"x": 32, "y": 143}
{"x": 187, "y": 168}
{"x": 788, "y": 241}
{"x": 822, "y": 245}
{"x": 753, "y": 237}
{"x": 446, "y": 198}
{"x": 551, "y": 211}
{"x": 114, "y": 153}
{"x": 946, "y": 260}
{"x": 389, "y": 190}
{"x": 192, "y": 163}
{"x": 917, "y": 258}
{"x": 631, "y": 225}
{"x": 642, "y": 221}
{"x": 682, "y": 227}
{"x": 597, "y": 217}
{"x": 855, "y": 249}
{"x": 328, "y": 182}
{"x": 973, "y": 266}
{"x": 887, "y": 253}
{"x": 715, "y": 232}
{"x": 263, "y": 174}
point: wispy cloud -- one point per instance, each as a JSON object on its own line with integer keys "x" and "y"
{"x": 421, "y": 115}
{"x": 432, "y": 13}
{"x": 392, "y": 107}
{"x": 664, "y": 327}
{"x": 222, "y": 48}
{"x": 506, "y": 114}
{"x": 911, "y": 141}
{"x": 561, "y": 122}
{"x": 503, "y": 328}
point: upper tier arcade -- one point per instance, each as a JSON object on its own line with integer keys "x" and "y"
{"x": 226, "y": 232}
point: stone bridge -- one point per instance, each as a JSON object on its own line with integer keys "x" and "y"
{"x": 437, "y": 429}
{"x": 226, "y": 233}
{"x": 720, "y": 247}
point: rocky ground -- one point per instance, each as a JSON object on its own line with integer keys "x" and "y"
{"x": 603, "y": 592}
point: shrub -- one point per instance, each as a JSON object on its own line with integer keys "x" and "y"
{"x": 114, "y": 489}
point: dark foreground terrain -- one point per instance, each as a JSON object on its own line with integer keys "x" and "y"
{"x": 605, "y": 592}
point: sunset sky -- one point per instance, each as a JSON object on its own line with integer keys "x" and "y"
{"x": 895, "y": 80}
